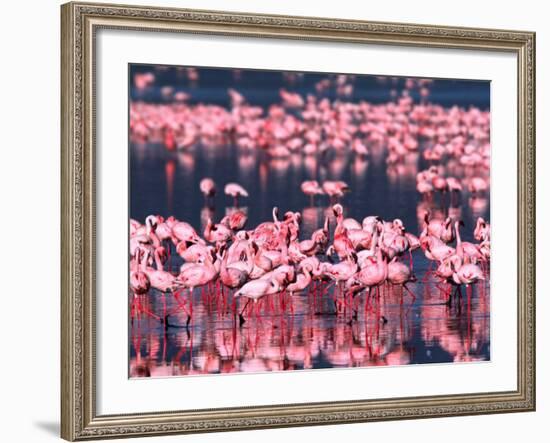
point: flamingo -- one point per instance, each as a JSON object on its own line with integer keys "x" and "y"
{"x": 198, "y": 274}
{"x": 236, "y": 191}
{"x": 425, "y": 188}
{"x": 344, "y": 270}
{"x": 236, "y": 274}
{"x": 183, "y": 231}
{"x": 256, "y": 289}
{"x": 317, "y": 243}
{"x": 208, "y": 188}
{"x": 302, "y": 280}
{"x": 400, "y": 274}
{"x": 342, "y": 245}
{"x": 482, "y": 231}
{"x": 435, "y": 249}
{"x": 311, "y": 188}
{"x": 161, "y": 280}
{"x": 335, "y": 189}
{"x": 194, "y": 253}
{"x": 440, "y": 184}
{"x": 478, "y": 185}
{"x": 465, "y": 274}
{"x": 374, "y": 272}
{"x": 235, "y": 221}
{"x": 466, "y": 250}
{"x": 441, "y": 229}
{"x": 350, "y": 223}
{"x": 454, "y": 184}
{"x": 139, "y": 280}
{"x": 217, "y": 233}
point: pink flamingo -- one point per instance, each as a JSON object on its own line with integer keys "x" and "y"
{"x": 440, "y": 184}
{"x": 183, "y": 231}
{"x": 291, "y": 99}
{"x": 374, "y": 272}
{"x": 208, "y": 188}
{"x": 256, "y": 289}
{"x": 311, "y": 188}
{"x": 454, "y": 184}
{"x": 317, "y": 243}
{"x": 237, "y": 274}
{"x": 441, "y": 229}
{"x": 478, "y": 186}
{"x": 341, "y": 244}
{"x": 468, "y": 251}
{"x": 139, "y": 281}
{"x": 335, "y": 189}
{"x": 435, "y": 249}
{"x": 236, "y": 191}
{"x": 482, "y": 231}
{"x": 198, "y": 274}
{"x": 425, "y": 188}
{"x": 194, "y": 253}
{"x": 350, "y": 223}
{"x": 219, "y": 234}
{"x": 161, "y": 280}
{"x": 400, "y": 274}
{"x": 446, "y": 267}
{"x": 465, "y": 274}
{"x": 235, "y": 221}
{"x": 303, "y": 280}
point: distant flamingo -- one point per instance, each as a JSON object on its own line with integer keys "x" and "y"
{"x": 440, "y": 184}
{"x": 335, "y": 189}
{"x": 478, "y": 186}
{"x": 236, "y": 191}
{"x": 425, "y": 188}
{"x": 311, "y": 188}
{"x": 208, "y": 188}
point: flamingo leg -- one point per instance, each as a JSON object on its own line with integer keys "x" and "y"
{"x": 241, "y": 318}
{"x": 409, "y": 292}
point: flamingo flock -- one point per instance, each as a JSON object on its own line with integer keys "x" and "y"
{"x": 453, "y": 143}
{"x": 355, "y": 257}
{"x": 332, "y": 266}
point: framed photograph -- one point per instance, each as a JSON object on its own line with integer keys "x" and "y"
{"x": 277, "y": 221}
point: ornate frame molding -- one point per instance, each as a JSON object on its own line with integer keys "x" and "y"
{"x": 79, "y": 21}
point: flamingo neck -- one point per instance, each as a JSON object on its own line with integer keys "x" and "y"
{"x": 374, "y": 241}
{"x": 144, "y": 262}
{"x": 457, "y": 231}
{"x": 249, "y": 259}
{"x": 158, "y": 262}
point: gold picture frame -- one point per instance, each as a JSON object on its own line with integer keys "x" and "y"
{"x": 79, "y": 22}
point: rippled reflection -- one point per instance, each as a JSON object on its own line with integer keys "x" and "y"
{"x": 285, "y": 333}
